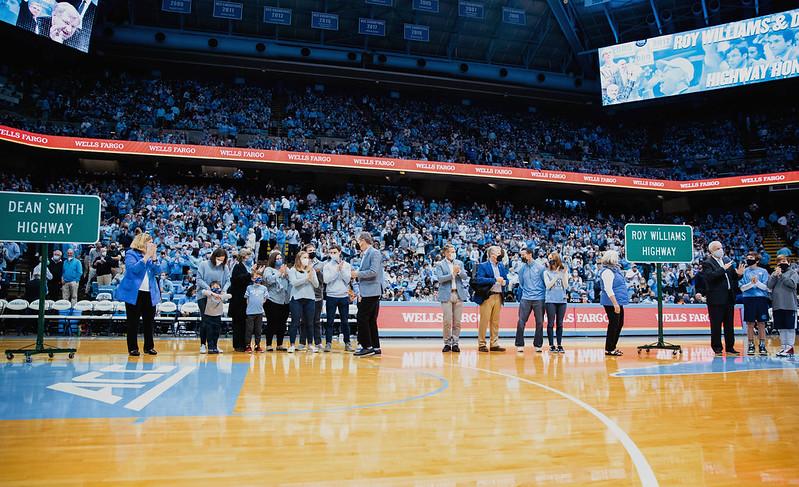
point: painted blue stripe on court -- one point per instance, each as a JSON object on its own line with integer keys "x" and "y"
{"x": 444, "y": 385}
{"x": 718, "y": 365}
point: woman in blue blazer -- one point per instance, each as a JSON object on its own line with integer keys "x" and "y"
{"x": 139, "y": 290}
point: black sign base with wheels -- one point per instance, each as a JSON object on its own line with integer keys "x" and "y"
{"x": 39, "y": 347}
{"x": 660, "y": 344}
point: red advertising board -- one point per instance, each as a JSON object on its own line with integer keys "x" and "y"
{"x": 383, "y": 163}
{"x": 424, "y": 319}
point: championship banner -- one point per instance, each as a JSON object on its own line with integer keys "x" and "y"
{"x": 383, "y": 163}
{"x": 734, "y": 54}
{"x": 424, "y": 320}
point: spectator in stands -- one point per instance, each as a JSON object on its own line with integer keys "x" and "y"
{"x": 72, "y": 272}
{"x": 140, "y": 293}
{"x": 452, "y": 293}
{"x": 277, "y": 305}
{"x": 555, "y": 278}
{"x": 614, "y": 296}
{"x": 783, "y": 284}
{"x": 166, "y": 286}
{"x": 102, "y": 268}
{"x": 56, "y": 269}
{"x": 756, "y": 302}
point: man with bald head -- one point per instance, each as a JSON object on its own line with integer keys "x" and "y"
{"x": 721, "y": 286}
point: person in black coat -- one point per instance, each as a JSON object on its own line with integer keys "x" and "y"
{"x": 56, "y": 267}
{"x": 239, "y": 280}
{"x": 720, "y": 279}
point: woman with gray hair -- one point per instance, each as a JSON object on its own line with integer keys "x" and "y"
{"x": 782, "y": 283}
{"x": 613, "y": 297}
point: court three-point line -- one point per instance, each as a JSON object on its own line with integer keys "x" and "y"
{"x": 645, "y": 472}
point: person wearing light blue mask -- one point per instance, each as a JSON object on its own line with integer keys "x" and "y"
{"x": 256, "y": 295}
{"x": 276, "y": 308}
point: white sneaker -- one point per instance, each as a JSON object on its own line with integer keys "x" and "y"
{"x": 519, "y": 349}
{"x": 315, "y": 349}
{"x": 300, "y": 348}
{"x": 538, "y": 349}
{"x": 270, "y": 349}
{"x": 291, "y": 349}
{"x": 219, "y": 350}
{"x": 203, "y": 349}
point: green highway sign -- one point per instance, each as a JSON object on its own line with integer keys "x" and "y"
{"x": 49, "y": 218}
{"x": 654, "y": 244}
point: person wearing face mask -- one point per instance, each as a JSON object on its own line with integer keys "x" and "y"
{"x": 102, "y": 267}
{"x": 753, "y": 284}
{"x": 88, "y": 266}
{"x": 256, "y": 295}
{"x": 337, "y": 275}
{"x": 213, "y": 269}
{"x": 533, "y": 290}
{"x": 783, "y": 283}
{"x": 555, "y": 279}
{"x": 452, "y": 292}
{"x": 277, "y": 304}
{"x": 212, "y": 315}
{"x": 303, "y": 283}
{"x": 139, "y": 290}
{"x": 166, "y": 286}
{"x": 73, "y": 270}
{"x": 319, "y": 292}
{"x": 240, "y": 278}
{"x": 56, "y": 268}
{"x": 721, "y": 280}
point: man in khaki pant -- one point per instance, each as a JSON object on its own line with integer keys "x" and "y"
{"x": 452, "y": 293}
{"x": 490, "y": 273}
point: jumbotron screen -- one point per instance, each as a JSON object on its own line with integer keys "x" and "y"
{"x": 67, "y": 22}
{"x": 739, "y": 53}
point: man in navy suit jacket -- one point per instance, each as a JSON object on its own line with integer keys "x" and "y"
{"x": 494, "y": 273}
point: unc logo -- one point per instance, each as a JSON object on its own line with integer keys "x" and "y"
{"x": 640, "y": 43}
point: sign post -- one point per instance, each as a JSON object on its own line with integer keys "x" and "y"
{"x": 45, "y": 218}
{"x": 658, "y": 244}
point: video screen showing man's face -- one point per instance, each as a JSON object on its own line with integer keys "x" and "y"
{"x": 66, "y": 21}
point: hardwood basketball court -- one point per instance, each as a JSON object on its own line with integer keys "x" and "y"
{"x": 414, "y": 416}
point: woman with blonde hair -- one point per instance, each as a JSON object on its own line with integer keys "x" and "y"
{"x": 613, "y": 296}
{"x": 139, "y": 290}
{"x": 556, "y": 278}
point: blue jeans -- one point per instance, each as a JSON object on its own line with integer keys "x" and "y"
{"x": 302, "y": 318}
{"x": 526, "y": 306}
{"x": 343, "y": 307}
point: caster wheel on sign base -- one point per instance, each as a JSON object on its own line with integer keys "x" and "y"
{"x": 50, "y": 355}
{"x": 71, "y": 355}
{"x": 10, "y": 356}
{"x": 28, "y": 359}
{"x": 639, "y": 351}
{"x": 674, "y": 352}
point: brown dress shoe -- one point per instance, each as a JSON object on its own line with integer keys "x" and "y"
{"x": 483, "y": 349}
{"x": 497, "y": 349}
